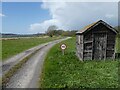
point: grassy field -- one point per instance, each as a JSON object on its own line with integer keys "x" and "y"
{"x": 66, "y": 71}
{"x": 13, "y": 47}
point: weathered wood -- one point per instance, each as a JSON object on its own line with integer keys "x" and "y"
{"x": 98, "y": 42}
{"x": 100, "y": 45}
{"x": 92, "y": 47}
{"x": 88, "y": 51}
{"x": 106, "y": 36}
{"x": 88, "y": 42}
{"x": 79, "y": 46}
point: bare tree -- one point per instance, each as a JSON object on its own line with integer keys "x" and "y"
{"x": 51, "y": 30}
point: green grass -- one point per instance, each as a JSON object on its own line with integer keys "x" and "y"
{"x": 118, "y": 44}
{"x": 66, "y": 71}
{"x": 13, "y": 47}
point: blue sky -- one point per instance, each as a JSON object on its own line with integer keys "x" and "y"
{"x": 19, "y": 15}
{"x": 36, "y": 17}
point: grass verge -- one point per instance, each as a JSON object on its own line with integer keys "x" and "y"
{"x": 66, "y": 71}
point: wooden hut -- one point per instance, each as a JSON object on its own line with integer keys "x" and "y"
{"x": 96, "y": 41}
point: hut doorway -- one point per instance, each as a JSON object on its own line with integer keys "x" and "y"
{"x": 99, "y": 46}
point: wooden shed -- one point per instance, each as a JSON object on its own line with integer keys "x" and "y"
{"x": 96, "y": 41}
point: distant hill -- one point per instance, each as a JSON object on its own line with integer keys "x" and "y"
{"x": 11, "y": 35}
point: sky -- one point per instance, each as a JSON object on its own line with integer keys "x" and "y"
{"x": 36, "y": 17}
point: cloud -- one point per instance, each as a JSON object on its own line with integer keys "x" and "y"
{"x": 42, "y": 27}
{"x": 2, "y": 15}
{"x": 109, "y": 16}
{"x": 75, "y": 15}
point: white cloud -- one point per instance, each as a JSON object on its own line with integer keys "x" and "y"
{"x": 72, "y": 15}
{"x": 42, "y": 27}
{"x": 109, "y": 16}
{"x": 2, "y": 15}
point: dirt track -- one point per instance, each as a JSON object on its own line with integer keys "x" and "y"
{"x": 29, "y": 75}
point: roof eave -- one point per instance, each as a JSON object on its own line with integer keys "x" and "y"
{"x": 100, "y": 21}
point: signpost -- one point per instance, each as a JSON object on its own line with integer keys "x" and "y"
{"x": 63, "y": 47}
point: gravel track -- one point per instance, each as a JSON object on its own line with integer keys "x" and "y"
{"x": 9, "y": 63}
{"x": 29, "y": 75}
{"x": 6, "y": 65}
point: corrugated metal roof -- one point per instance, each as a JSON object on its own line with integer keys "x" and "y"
{"x": 88, "y": 27}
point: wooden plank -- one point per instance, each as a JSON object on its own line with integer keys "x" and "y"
{"x": 87, "y": 57}
{"x": 110, "y": 47}
{"x": 92, "y": 45}
{"x": 114, "y": 48}
{"x": 82, "y": 46}
{"x": 88, "y": 51}
{"x": 106, "y": 47}
{"x": 88, "y": 47}
{"x": 88, "y": 42}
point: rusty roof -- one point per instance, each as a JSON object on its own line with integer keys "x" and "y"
{"x": 88, "y": 27}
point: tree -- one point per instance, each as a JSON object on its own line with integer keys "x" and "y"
{"x": 51, "y": 30}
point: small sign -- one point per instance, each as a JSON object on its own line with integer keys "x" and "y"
{"x": 63, "y": 47}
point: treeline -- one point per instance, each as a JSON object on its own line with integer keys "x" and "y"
{"x": 61, "y": 33}
{"x": 54, "y": 31}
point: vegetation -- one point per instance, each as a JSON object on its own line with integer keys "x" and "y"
{"x": 53, "y": 31}
{"x": 61, "y": 32}
{"x": 66, "y": 71}
{"x": 15, "y": 46}
{"x": 118, "y": 45}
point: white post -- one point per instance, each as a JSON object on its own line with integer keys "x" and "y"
{"x": 63, "y": 51}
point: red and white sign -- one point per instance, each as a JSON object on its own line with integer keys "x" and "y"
{"x": 63, "y": 46}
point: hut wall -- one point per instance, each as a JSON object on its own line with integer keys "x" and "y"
{"x": 100, "y": 42}
{"x": 88, "y": 45}
{"x": 79, "y": 44}
{"x": 108, "y": 41}
{"x": 110, "y": 52}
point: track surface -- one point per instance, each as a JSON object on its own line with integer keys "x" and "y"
{"x": 29, "y": 75}
{"x": 9, "y": 63}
